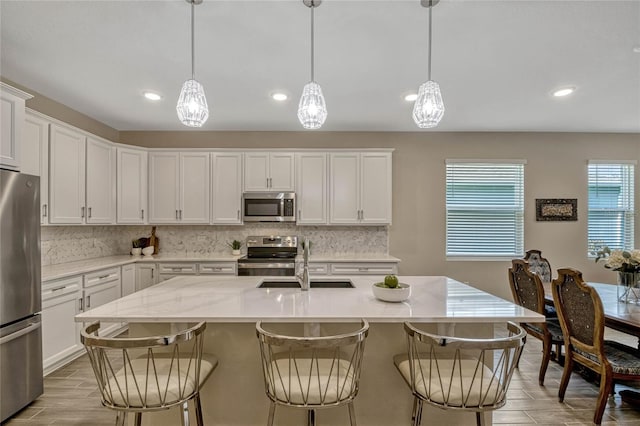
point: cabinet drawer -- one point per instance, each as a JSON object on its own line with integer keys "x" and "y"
{"x": 177, "y": 268}
{"x": 363, "y": 268}
{"x": 101, "y": 277}
{"x": 66, "y": 286}
{"x": 319, "y": 268}
{"x": 225, "y": 268}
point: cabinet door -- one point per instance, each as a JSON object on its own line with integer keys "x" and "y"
{"x": 281, "y": 172}
{"x": 67, "y": 175}
{"x": 226, "y": 185}
{"x": 132, "y": 186}
{"x": 101, "y": 182}
{"x": 11, "y": 126}
{"x": 375, "y": 183}
{"x": 256, "y": 171}
{"x": 100, "y": 295}
{"x": 344, "y": 188}
{"x": 146, "y": 275}
{"x": 311, "y": 188}
{"x": 35, "y": 157}
{"x": 60, "y": 332}
{"x": 194, "y": 188}
{"x": 164, "y": 179}
{"x": 128, "y": 279}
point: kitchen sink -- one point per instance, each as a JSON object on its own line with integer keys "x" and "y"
{"x": 314, "y": 284}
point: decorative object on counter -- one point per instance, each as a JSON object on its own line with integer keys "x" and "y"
{"x": 627, "y": 264}
{"x": 148, "y": 251}
{"x": 391, "y": 290}
{"x": 556, "y": 209}
{"x": 154, "y": 241}
{"x": 235, "y": 247}
{"x": 136, "y": 249}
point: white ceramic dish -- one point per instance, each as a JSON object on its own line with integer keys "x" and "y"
{"x": 148, "y": 251}
{"x": 386, "y": 294}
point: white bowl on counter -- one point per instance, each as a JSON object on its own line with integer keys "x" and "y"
{"x": 386, "y": 294}
{"x": 148, "y": 251}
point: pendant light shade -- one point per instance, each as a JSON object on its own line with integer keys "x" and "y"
{"x": 429, "y": 107}
{"x": 312, "y": 109}
{"x": 192, "y": 107}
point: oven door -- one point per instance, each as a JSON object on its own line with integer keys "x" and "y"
{"x": 272, "y": 268}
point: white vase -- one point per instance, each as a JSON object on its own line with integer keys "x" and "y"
{"x": 629, "y": 287}
{"x": 136, "y": 251}
{"x": 235, "y": 252}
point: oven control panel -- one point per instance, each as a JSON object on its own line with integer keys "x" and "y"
{"x": 272, "y": 241}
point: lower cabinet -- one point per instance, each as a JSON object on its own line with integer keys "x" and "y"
{"x": 353, "y": 268}
{"x": 146, "y": 275}
{"x": 60, "y": 333}
{"x": 171, "y": 270}
{"x": 128, "y": 273}
{"x": 99, "y": 288}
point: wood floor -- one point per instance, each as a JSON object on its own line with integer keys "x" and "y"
{"x": 71, "y": 397}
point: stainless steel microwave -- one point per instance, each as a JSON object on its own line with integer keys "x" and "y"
{"x": 269, "y": 206}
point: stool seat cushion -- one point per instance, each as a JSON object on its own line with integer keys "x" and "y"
{"x": 140, "y": 389}
{"x": 460, "y": 383}
{"x": 311, "y": 381}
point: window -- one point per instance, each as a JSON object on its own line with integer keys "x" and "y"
{"x": 485, "y": 209}
{"x": 611, "y": 206}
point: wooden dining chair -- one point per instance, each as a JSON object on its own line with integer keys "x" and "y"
{"x": 528, "y": 292}
{"x": 538, "y": 265}
{"x": 581, "y": 317}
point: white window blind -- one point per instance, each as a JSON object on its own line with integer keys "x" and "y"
{"x": 611, "y": 205}
{"x": 485, "y": 209}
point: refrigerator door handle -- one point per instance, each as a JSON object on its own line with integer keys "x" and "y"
{"x": 28, "y": 329}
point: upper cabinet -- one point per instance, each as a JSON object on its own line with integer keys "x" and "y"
{"x": 226, "y": 188}
{"x": 11, "y": 125}
{"x": 311, "y": 184}
{"x": 82, "y": 174}
{"x": 35, "y": 157}
{"x": 131, "y": 186}
{"x": 179, "y": 190}
{"x": 360, "y": 188}
{"x": 269, "y": 171}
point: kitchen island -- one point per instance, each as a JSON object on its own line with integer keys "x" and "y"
{"x": 234, "y": 395}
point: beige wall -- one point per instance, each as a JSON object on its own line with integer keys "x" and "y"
{"x": 556, "y": 168}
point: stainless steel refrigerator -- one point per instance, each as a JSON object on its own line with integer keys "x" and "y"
{"x": 20, "y": 303}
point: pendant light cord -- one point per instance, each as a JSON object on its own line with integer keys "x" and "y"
{"x": 430, "y": 25}
{"x": 193, "y": 54}
{"x": 312, "y": 41}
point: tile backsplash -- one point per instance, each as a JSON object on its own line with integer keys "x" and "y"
{"x": 62, "y": 244}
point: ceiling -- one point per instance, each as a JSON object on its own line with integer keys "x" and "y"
{"x": 497, "y": 62}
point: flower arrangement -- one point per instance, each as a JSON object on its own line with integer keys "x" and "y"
{"x": 620, "y": 260}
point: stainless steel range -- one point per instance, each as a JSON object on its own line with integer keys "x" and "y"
{"x": 270, "y": 255}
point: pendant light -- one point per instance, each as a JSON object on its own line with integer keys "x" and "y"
{"x": 312, "y": 110}
{"x": 429, "y": 108}
{"x": 192, "y": 104}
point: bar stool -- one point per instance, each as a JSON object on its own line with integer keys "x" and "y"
{"x": 311, "y": 372}
{"x": 143, "y": 374}
{"x": 457, "y": 373}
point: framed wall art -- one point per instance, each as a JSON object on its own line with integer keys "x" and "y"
{"x": 556, "y": 209}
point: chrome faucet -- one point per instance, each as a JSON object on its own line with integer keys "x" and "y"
{"x": 303, "y": 276}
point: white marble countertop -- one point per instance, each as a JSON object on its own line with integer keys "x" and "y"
{"x": 63, "y": 270}
{"x": 237, "y": 299}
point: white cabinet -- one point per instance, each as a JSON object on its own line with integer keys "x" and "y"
{"x": 82, "y": 178}
{"x": 101, "y": 182}
{"x": 60, "y": 333}
{"x": 361, "y": 268}
{"x": 146, "y": 275}
{"x": 35, "y": 156}
{"x": 102, "y": 287}
{"x": 131, "y": 186}
{"x": 218, "y": 268}
{"x": 179, "y": 187}
{"x": 226, "y": 188}
{"x": 269, "y": 171}
{"x": 128, "y": 274}
{"x": 311, "y": 188}
{"x": 360, "y": 188}
{"x": 11, "y": 125}
{"x": 171, "y": 270}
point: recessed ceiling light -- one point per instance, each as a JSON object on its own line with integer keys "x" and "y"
{"x": 152, "y": 96}
{"x": 279, "y": 96}
{"x": 411, "y": 97}
{"x": 636, "y": 49}
{"x": 565, "y": 91}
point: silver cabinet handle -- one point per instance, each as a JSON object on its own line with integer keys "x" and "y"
{"x": 142, "y": 214}
{"x": 152, "y": 273}
{"x": 267, "y": 182}
{"x": 176, "y": 269}
{"x": 89, "y": 212}
{"x": 81, "y": 211}
{"x": 363, "y": 269}
{"x": 176, "y": 214}
{"x": 44, "y": 210}
{"x": 59, "y": 288}
{"x": 103, "y": 277}
{"x": 238, "y": 214}
{"x": 180, "y": 214}
{"x": 81, "y": 300}
{"x": 299, "y": 214}
{"x": 88, "y": 301}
